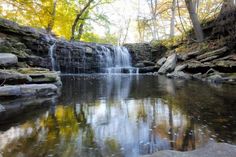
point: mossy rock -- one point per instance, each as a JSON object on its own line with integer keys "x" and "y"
{"x": 19, "y": 53}
{"x": 40, "y": 75}
{"x": 33, "y": 70}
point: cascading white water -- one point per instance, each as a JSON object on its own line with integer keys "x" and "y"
{"x": 106, "y": 58}
{"x": 117, "y": 60}
{"x": 51, "y": 54}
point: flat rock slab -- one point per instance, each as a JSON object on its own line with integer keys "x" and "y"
{"x": 40, "y": 90}
{"x": 7, "y": 59}
{"x": 210, "y": 150}
{"x": 13, "y": 77}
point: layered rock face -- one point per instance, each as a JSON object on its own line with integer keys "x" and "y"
{"x": 142, "y": 52}
{"x": 35, "y": 48}
{"x": 79, "y": 57}
{"x": 22, "y": 51}
{"x": 218, "y": 66}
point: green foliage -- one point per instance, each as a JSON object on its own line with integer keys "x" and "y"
{"x": 39, "y": 13}
{"x": 92, "y": 37}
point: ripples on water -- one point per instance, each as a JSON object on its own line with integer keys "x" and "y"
{"x": 120, "y": 115}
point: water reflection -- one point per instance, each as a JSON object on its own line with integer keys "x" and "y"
{"x": 103, "y": 116}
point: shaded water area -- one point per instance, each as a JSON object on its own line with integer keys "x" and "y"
{"x": 123, "y": 115}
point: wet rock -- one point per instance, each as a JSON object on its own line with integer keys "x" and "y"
{"x": 2, "y": 108}
{"x": 13, "y": 77}
{"x": 161, "y": 61}
{"x": 215, "y": 78}
{"x": 197, "y": 76}
{"x": 139, "y": 65}
{"x": 148, "y": 69}
{"x": 40, "y": 90}
{"x": 210, "y": 150}
{"x": 148, "y": 63}
{"x": 169, "y": 65}
{"x": 8, "y": 59}
{"x": 179, "y": 74}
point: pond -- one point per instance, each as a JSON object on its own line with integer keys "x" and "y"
{"x": 122, "y": 115}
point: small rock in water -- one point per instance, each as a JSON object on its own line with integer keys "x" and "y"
{"x": 2, "y": 108}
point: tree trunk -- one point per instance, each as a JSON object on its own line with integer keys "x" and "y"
{"x": 153, "y": 10}
{"x": 78, "y": 17}
{"x": 194, "y": 18}
{"x": 81, "y": 31}
{"x": 126, "y": 31}
{"x": 52, "y": 20}
{"x": 172, "y": 24}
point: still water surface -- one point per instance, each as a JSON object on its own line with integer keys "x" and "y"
{"x": 123, "y": 116}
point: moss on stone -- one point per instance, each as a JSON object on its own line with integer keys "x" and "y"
{"x": 33, "y": 70}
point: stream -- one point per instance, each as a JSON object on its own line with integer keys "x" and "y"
{"x": 101, "y": 115}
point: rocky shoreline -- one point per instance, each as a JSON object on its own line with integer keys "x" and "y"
{"x": 210, "y": 150}
{"x": 26, "y": 81}
{"x": 216, "y": 66}
{"x": 31, "y": 48}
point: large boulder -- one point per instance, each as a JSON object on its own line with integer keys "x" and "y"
{"x": 8, "y": 59}
{"x": 169, "y": 65}
{"x": 39, "y": 90}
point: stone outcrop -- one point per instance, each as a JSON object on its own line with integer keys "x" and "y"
{"x": 210, "y": 150}
{"x": 22, "y": 49}
{"x": 146, "y": 51}
{"x": 217, "y": 66}
{"x": 32, "y": 46}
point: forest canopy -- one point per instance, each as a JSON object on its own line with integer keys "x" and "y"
{"x": 113, "y": 21}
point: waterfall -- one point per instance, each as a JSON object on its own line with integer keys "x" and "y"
{"x": 90, "y": 58}
{"x": 51, "y": 54}
{"x": 116, "y": 59}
